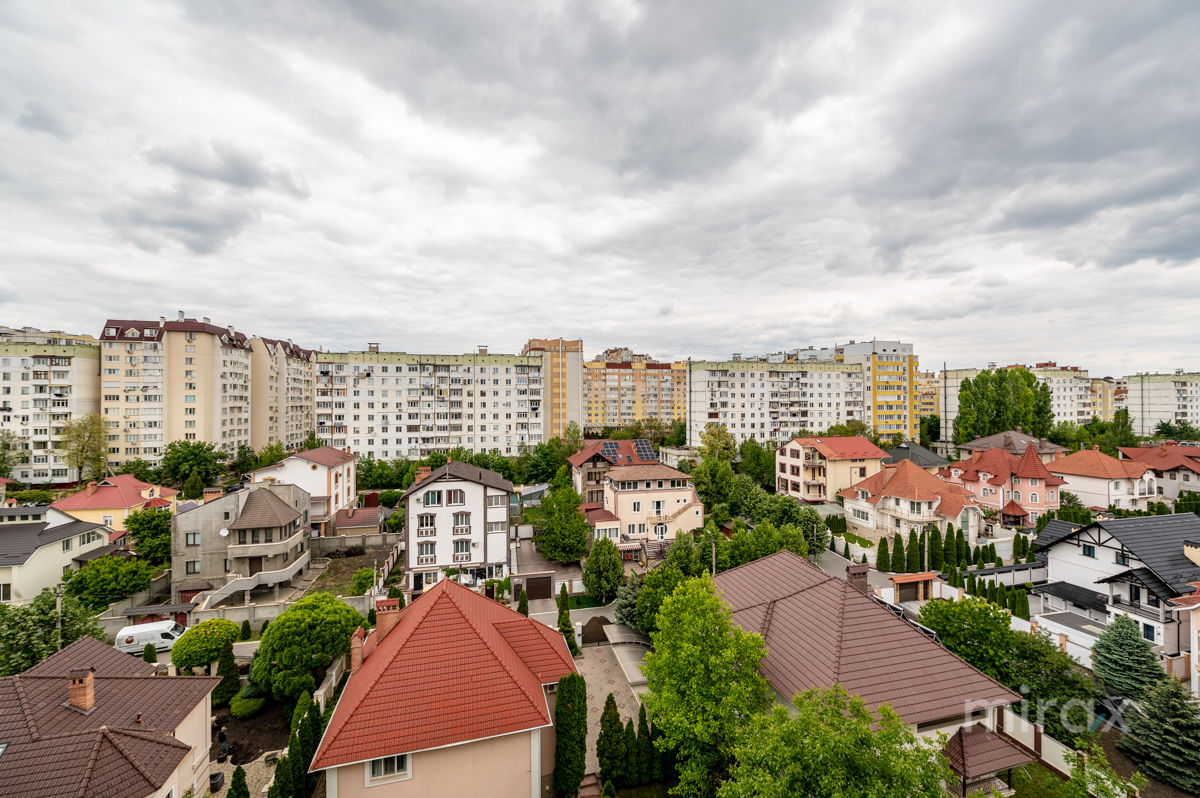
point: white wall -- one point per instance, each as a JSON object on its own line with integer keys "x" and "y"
{"x": 487, "y": 548}
{"x": 44, "y": 568}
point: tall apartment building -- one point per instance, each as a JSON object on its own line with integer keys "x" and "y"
{"x": 1103, "y": 390}
{"x": 162, "y": 381}
{"x": 929, "y": 394}
{"x": 1152, "y": 398}
{"x": 282, "y": 393}
{"x": 393, "y": 404}
{"x": 32, "y": 335}
{"x": 562, "y": 370}
{"x": 772, "y": 401}
{"x": 42, "y": 387}
{"x": 621, "y": 387}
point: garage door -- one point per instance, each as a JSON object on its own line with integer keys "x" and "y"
{"x": 908, "y": 592}
{"x": 540, "y": 587}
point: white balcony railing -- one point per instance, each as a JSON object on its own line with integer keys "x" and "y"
{"x": 462, "y": 557}
{"x": 425, "y": 559}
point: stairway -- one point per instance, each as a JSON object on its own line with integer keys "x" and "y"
{"x": 590, "y": 787}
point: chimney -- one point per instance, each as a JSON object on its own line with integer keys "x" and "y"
{"x": 372, "y": 347}
{"x": 91, "y": 488}
{"x": 385, "y": 621}
{"x": 162, "y": 320}
{"x": 975, "y": 453}
{"x": 210, "y": 494}
{"x": 482, "y": 349}
{"x": 356, "y": 648}
{"x": 83, "y": 689}
{"x": 180, "y": 316}
{"x": 422, "y": 472}
{"x": 228, "y": 328}
{"x": 1095, "y": 447}
{"x": 856, "y": 575}
{"x": 207, "y": 320}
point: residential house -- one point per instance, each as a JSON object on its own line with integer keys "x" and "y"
{"x": 38, "y": 545}
{"x": 251, "y": 539}
{"x": 1176, "y": 467}
{"x": 646, "y": 502}
{"x": 591, "y": 463}
{"x": 326, "y": 474}
{"x": 359, "y": 521}
{"x": 453, "y": 695}
{"x": 1101, "y": 481}
{"x": 110, "y": 501}
{"x": 93, "y": 721}
{"x": 904, "y": 497}
{"x": 1018, "y": 489}
{"x": 918, "y": 454}
{"x": 457, "y": 518}
{"x": 814, "y": 470}
{"x": 1014, "y": 442}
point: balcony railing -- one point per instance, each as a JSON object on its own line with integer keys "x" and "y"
{"x": 462, "y": 557}
{"x": 462, "y": 530}
{"x": 425, "y": 559}
{"x": 1137, "y": 608}
{"x": 426, "y": 533}
{"x": 267, "y": 549}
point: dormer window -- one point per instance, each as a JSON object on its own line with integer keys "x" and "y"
{"x": 132, "y": 333}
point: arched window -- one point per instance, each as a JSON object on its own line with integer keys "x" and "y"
{"x": 1033, "y": 497}
{"x": 660, "y": 531}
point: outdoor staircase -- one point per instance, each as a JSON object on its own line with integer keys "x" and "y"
{"x": 590, "y": 787}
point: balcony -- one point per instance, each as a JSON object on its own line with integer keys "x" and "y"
{"x": 1122, "y": 604}
{"x": 462, "y": 530}
{"x": 427, "y": 533}
{"x": 425, "y": 559}
{"x": 462, "y": 557}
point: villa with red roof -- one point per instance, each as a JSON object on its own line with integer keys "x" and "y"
{"x": 452, "y": 695}
{"x": 590, "y": 465}
{"x": 814, "y": 470}
{"x": 904, "y": 497}
{"x": 109, "y": 501}
{"x": 1176, "y": 467}
{"x": 1018, "y": 488}
{"x": 1101, "y": 481}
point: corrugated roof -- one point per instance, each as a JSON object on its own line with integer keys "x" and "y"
{"x": 1090, "y": 599}
{"x": 18, "y": 542}
{"x": 264, "y": 509}
{"x": 1156, "y": 540}
{"x": 357, "y": 517}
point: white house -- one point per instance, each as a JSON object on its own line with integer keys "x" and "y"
{"x": 38, "y": 545}
{"x": 1102, "y": 481}
{"x": 457, "y": 517}
{"x": 326, "y": 474}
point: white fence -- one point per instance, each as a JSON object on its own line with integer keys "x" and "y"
{"x": 1074, "y": 642}
{"x": 332, "y": 677}
{"x": 1051, "y": 752}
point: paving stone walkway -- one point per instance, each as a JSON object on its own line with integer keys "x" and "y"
{"x": 599, "y": 666}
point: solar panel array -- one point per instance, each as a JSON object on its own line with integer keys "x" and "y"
{"x": 609, "y": 450}
{"x": 645, "y": 451}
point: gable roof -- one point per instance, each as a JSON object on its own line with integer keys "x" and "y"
{"x": 1165, "y": 457}
{"x": 18, "y": 542}
{"x": 636, "y": 472}
{"x": 1012, "y": 441}
{"x": 464, "y": 471}
{"x": 328, "y": 456}
{"x": 907, "y": 480}
{"x": 457, "y": 667}
{"x": 1156, "y": 540}
{"x": 821, "y": 631}
{"x": 54, "y": 749}
{"x": 122, "y": 490}
{"x": 264, "y": 509}
{"x": 911, "y": 450}
{"x": 1055, "y": 530}
{"x": 843, "y": 447}
{"x": 1095, "y": 463}
{"x": 615, "y": 452}
{"x": 976, "y": 751}
{"x": 1000, "y": 464}
{"x": 358, "y": 517}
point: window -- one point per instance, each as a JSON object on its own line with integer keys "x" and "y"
{"x": 660, "y": 531}
{"x": 1049, "y": 495}
{"x": 391, "y": 768}
{"x": 192, "y": 567}
{"x": 497, "y": 501}
{"x": 1148, "y": 631}
{"x": 1089, "y": 550}
{"x": 193, "y": 538}
{"x": 1016, "y": 494}
{"x": 106, "y": 520}
{"x": 1121, "y": 558}
{"x": 1033, "y": 497}
{"x": 5, "y": 595}
{"x": 456, "y": 497}
{"x": 425, "y": 525}
{"x": 66, "y": 544}
{"x": 433, "y": 498}
{"x": 495, "y": 526}
{"x": 637, "y": 507}
{"x": 425, "y": 553}
{"x": 462, "y": 523}
{"x": 462, "y": 550}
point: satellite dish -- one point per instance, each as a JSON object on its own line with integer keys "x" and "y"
{"x": 224, "y": 533}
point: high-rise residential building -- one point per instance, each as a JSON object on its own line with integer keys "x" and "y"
{"x": 162, "y": 381}
{"x": 562, "y": 371}
{"x": 621, "y": 387}
{"x": 772, "y": 401}
{"x": 1153, "y": 398}
{"x": 282, "y": 393}
{"x": 32, "y": 335}
{"x": 1071, "y": 392}
{"x": 43, "y": 386}
{"x": 394, "y": 404}
{"x": 1103, "y": 389}
{"x": 929, "y": 394}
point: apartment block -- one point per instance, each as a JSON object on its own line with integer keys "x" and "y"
{"x": 1153, "y": 398}
{"x": 929, "y": 394}
{"x": 282, "y": 393}
{"x": 43, "y": 386}
{"x": 1103, "y": 394}
{"x": 162, "y": 381}
{"x": 562, "y": 369}
{"x": 33, "y": 335}
{"x": 621, "y": 388}
{"x": 394, "y": 404}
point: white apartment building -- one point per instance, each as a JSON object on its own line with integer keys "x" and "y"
{"x": 393, "y": 404}
{"x": 283, "y": 393}
{"x": 162, "y": 381}
{"x": 43, "y": 386}
{"x": 1153, "y": 398}
{"x": 772, "y": 401}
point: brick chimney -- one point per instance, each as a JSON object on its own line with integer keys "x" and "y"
{"x": 356, "y": 648}
{"x": 422, "y": 472}
{"x": 91, "y": 488}
{"x": 856, "y": 575}
{"x": 83, "y": 689}
{"x": 210, "y": 494}
{"x": 385, "y": 621}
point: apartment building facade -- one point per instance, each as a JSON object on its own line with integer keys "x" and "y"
{"x": 161, "y": 381}
{"x": 282, "y": 393}
{"x": 562, "y": 372}
{"x": 393, "y": 404}
{"x": 1153, "y": 398}
{"x": 43, "y": 387}
{"x": 621, "y": 387}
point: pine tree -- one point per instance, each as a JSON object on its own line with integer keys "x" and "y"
{"x": 883, "y": 560}
{"x": 283, "y": 777}
{"x": 246, "y": 629}
{"x": 899, "y": 561}
{"x": 523, "y": 603}
{"x": 631, "y": 774}
{"x": 230, "y": 682}
{"x": 833, "y": 544}
{"x": 570, "y": 722}
{"x": 863, "y": 558}
{"x": 371, "y": 618}
{"x": 846, "y": 550}
{"x": 936, "y": 559}
{"x": 263, "y": 629}
{"x": 609, "y": 791}
{"x": 962, "y": 547}
{"x": 237, "y": 784}
{"x": 1124, "y": 661}
{"x": 564, "y": 620}
{"x": 610, "y": 745}
{"x": 913, "y": 554}
{"x": 1162, "y": 736}
{"x": 923, "y": 543}
{"x": 149, "y": 654}
{"x": 646, "y": 752}
{"x": 299, "y": 767}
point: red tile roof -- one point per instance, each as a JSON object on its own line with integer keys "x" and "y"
{"x": 626, "y": 454}
{"x": 1012, "y": 508}
{"x": 233, "y": 339}
{"x": 357, "y": 517}
{"x": 1000, "y": 464}
{"x": 456, "y": 667}
{"x": 1166, "y": 457}
{"x": 122, "y": 490}
{"x": 1095, "y": 463}
{"x": 843, "y": 447}
{"x": 327, "y": 456}
{"x": 156, "y": 502}
{"x": 907, "y": 480}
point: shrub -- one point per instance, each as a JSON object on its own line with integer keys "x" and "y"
{"x": 523, "y": 603}
{"x": 203, "y": 643}
{"x": 362, "y": 580}
{"x": 230, "y": 683}
{"x": 149, "y": 654}
{"x": 262, "y": 630}
{"x": 246, "y": 630}
{"x": 242, "y": 708}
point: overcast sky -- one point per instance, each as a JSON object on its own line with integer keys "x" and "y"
{"x": 998, "y": 181}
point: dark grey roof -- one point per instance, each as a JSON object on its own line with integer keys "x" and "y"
{"x": 1012, "y": 441}
{"x": 1156, "y": 540}
{"x": 18, "y": 542}
{"x": 1147, "y": 578}
{"x": 95, "y": 554}
{"x": 17, "y": 511}
{"x": 465, "y": 471}
{"x": 1089, "y": 599}
{"x": 1054, "y": 531}
{"x": 911, "y": 450}
{"x": 158, "y": 609}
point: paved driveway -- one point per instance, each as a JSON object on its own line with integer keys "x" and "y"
{"x": 599, "y": 667}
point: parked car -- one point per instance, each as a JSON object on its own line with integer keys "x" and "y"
{"x": 163, "y": 634}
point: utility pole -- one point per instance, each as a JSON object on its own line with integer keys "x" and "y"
{"x": 714, "y": 556}
{"x": 58, "y": 616}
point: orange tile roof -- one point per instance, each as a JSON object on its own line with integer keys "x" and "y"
{"x": 907, "y": 480}
{"x": 1095, "y": 463}
{"x": 635, "y": 472}
{"x": 456, "y": 667}
{"x": 626, "y": 454}
{"x": 1166, "y": 457}
{"x": 837, "y": 447}
{"x": 122, "y": 490}
{"x": 327, "y": 456}
{"x": 1012, "y": 508}
{"x": 1000, "y": 465}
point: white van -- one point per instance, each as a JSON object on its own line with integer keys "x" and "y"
{"x": 163, "y": 634}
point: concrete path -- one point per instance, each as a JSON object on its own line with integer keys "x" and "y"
{"x": 546, "y": 611}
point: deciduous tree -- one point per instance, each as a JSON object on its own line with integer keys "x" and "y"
{"x": 29, "y": 633}
{"x": 563, "y": 532}
{"x": 84, "y": 446}
{"x": 603, "y": 572}
{"x": 181, "y": 459}
{"x": 203, "y": 643}
{"x": 306, "y": 637}
{"x": 717, "y": 443}
{"x": 107, "y": 579}
{"x": 150, "y": 531}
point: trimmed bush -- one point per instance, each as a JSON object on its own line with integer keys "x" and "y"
{"x": 242, "y": 708}
{"x": 203, "y": 643}
{"x": 149, "y": 654}
{"x": 883, "y": 558}
{"x": 523, "y": 603}
{"x": 230, "y": 684}
{"x": 246, "y": 630}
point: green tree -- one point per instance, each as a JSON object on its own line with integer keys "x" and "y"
{"x": 29, "y": 633}
{"x": 270, "y": 454}
{"x": 833, "y": 745}
{"x": 305, "y": 638}
{"x": 603, "y": 572}
{"x": 203, "y": 643}
{"x": 84, "y": 446}
{"x": 563, "y": 535}
{"x": 610, "y": 745}
{"x": 883, "y": 560}
{"x": 717, "y": 443}
{"x": 362, "y": 581}
{"x": 107, "y": 579}
{"x": 193, "y": 486}
{"x": 625, "y": 607}
{"x": 564, "y": 619}
{"x": 913, "y": 561}
{"x": 150, "y": 531}
{"x": 311, "y": 442}
{"x": 645, "y": 749}
{"x": 246, "y": 631}
{"x": 244, "y": 461}
{"x": 283, "y": 777}
{"x": 813, "y": 525}
{"x": 899, "y": 557}
{"x": 523, "y": 603}
{"x": 570, "y": 723}
{"x": 572, "y": 439}
{"x": 230, "y": 683}
{"x": 303, "y": 704}
{"x": 931, "y": 430}
{"x": 237, "y": 785}
{"x": 971, "y": 625}
{"x": 936, "y": 554}
{"x": 684, "y": 554}
{"x": 656, "y": 586}
{"x": 1163, "y": 733}
{"x": 703, "y": 682}
{"x": 1002, "y": 399}
{"x": 757, "y": 462}
{"x": 141, "y": 470}
{"x": 713, "y": 480}
{"x": 390, "y": 498}
{"x": 12, "y": 452}
{"x": 149, "y": 654}
{"x": 181, "y": 459}
{"x": 1123, "y": 660}
{"x": 630, "y": 739}
{"x": 262, "y": 630}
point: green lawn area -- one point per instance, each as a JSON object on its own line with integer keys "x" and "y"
{"x": 581, "y": 602}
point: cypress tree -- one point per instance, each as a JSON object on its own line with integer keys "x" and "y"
{"x": 1124, "y": 660}
{"x": 833, "y": 544}
{"x": 863, "y": 557}
{"x": 1031, "y": 558}
{"x": 972, "y": 584}
{"x": 936, "y": 560}
{"x": 991, "y": 592}
{"x": 237, "y": 784}
{"x": 371, "y": 617}
{"x": 299, "y": 768}
{"x": 564, "y": 620}
{"x": 999, "y": 563}
{"x": 610, "y": 745}
{"x": 846, "y": 550}
{"x": 950, "y": 550}
{"x": 230, "y": 682}
{"x": 631, "y": 774}
{"x": 1025, "y": 604}
{"x": 283, "y": 777}
{"x": 263, "y": 629}
{"x": 149, "y": 654}
{"x": 646, "y": 752}
{"x": 922, "y": 560}
{"x": 991, "y": 551}
{"x": 523, "y": 603}
{"x": 962, "y": 546}
{"x": 300, "y": 710}
{"x": 1162, "y": 737}
{"x": 1002, "y": 595}
{"x": 609, "y": 790}
{"x": 245, "y": 629}
{"x": 913, "y": 554}
{"x": 883, "y": 560}
{"x": 570, "y": 721}
{"x": 899, "y": 562}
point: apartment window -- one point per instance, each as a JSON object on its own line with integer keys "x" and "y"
{"x": 66, "y": 544}
{"x": 389, "y": 768}
{"x": 5, "y": 595}
{"x": 425, "y": 553}
{"x": 497, "y": 501}
{"x": 456, "y": 497}
{"x": 433, "y": 498}
{"x": 495, "y": 526}
{"x": 193, "y": 538}
{"x": 425, "y": 524}
{"x": 637, "y": 507}
{"x": 1089, "y": 550}
{"x": 107, "y": 520}
{"x": 462, "y": 523}
{"x": 192, "y": 567}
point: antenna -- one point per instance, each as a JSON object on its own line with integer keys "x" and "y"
{"x": 224, "y": 533}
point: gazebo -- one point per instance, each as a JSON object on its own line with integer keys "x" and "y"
{"x": 979, "y": 756}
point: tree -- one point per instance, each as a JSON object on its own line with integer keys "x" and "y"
{"x": 564, "y": 533}
{"x": 1162, "y": 735}
{"x": 390, "y": 498}
{"x": 899, "y": 558}
{"x": 362, "y": 581}
{"x": 971, "y": 625}
{"x": 150, "y": 531}
{"x": 523, "y": 603}
{"x": 570, "y": 722}
{"x": 1002, "y": 399}
{"x": 834, "y": 745}
{"x": 84, "y": 446}
{"x": 610, "y": 745}
{"x": 306, "y": 637}
{"x": 141, "y": 470}
{"x": 181, "y": 459}
{"x": 656, "y": 587}
{"x": 564, "y": 620}
{"x": 717, "y": 443}
{"x": 12, "y": 452}
{"x": 603, "y": 572}
{"x": 107, "y": 579}
{"x": 1068, "y": 499}
{"x": 283, "y": 777}
{"x": 931, "y": 430}
{"x": 812, "y": 524}
{"x": 193, "y": 486}
{"x": 1124, "y": 661}
{"x": 713, "y": 480}
{"x": 270, "y": 454}
{"x": 311, "y": 442}
{"x": 572, "y": 439}
{"x": 303, "y": 704}
{"x": 237, "y": 784}
{"x": 246, "y": 632}
{"x": 703, "y": 682}
{"x": 645, "y": 749}
{"x": 230, "y": 683}
{"x": 913, "y": 559}
{"x": 203, "y": 643}
{"x": 936, "y": 555}
{"x": 29, "y": 633}
{"x": 625, "y": 608}
{"x": 684, "y": 554}
{"x": 244, "y": 461}
{"x": 757, "y": 462}
{"x": 630, "y": 740}
{"x": 883, "y": 561}
{"x": 150, "y": 654}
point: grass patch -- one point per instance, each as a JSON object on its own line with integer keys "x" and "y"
{"x": 340, "y": 574}
{"x": 582, "y": 602}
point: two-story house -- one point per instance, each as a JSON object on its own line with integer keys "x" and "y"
{"x": 814, "y": 470}
{"x": 456, "y": 518}
{"x": 326, "y": 474}
{"x": 646, "y": 502}
{"x": 250, "y": 540}
{"x": 110, "y": 501}
{"x": 1176, "y": 467}
{"x": 38, "y": 545}
{"x": 904, "y": 497}
{"x": 1018, "y": 489}
{"x": 1101, "y": 481}
{"x": 590, "y": 465}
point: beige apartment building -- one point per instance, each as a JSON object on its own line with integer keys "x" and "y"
{"x": 160, "y": 381}
{"x": 282, "y": 393}
{"x": 621, "y": 387}
{"x": 562, "y": 370}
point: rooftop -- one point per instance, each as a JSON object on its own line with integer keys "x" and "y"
{"x": 461, "y": 471}
{"x": 636, "y": 472}
{"x": 19, "y": 541}
{"x": 263, "y": 509}
{"x": 1095, "y": 463}
{"x": 1166, "y": 457}
{"x": 837, "y": 447}
{"x": 911, "y": 450}
{"x": 907, "y": 480}
{"x": 120, "y": 491}
{"x": 638, "y": 452}
{"x": 1013, "y": 441}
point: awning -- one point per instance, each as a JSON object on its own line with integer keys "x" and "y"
{"x": 1013, "y": 509}
{"x": 976, "y": 752}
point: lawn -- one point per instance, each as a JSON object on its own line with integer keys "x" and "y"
{"x": 336, "y": 579}
{"x": 582, "y": 601}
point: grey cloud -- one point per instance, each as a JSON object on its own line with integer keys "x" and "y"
{"x": 225, "y": 162}
{"x": 38, "y": 117}
{"x": 203, "y": 222}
